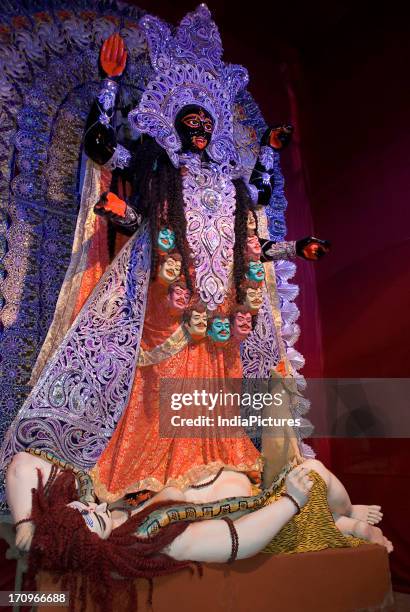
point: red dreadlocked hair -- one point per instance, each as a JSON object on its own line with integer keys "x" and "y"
{"x": 63, "y": 544}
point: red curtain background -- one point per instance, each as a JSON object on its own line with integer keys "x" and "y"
{"x": 353, "y": 104}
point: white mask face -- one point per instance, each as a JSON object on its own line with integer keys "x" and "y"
{"x": 97, "y": 517}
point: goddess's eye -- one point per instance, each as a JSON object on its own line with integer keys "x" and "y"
{"x": 191, "y": 122}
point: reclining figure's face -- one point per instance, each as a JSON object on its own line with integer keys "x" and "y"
{"x": 96, "y": 517}
{"x": 194, "y": 126}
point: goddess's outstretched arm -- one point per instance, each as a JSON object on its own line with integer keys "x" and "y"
{"x": 121, "y": 214}
{"x": 271, "y": 251}
{"x": 309, "y": 248}
{"x": 262, "y": 183}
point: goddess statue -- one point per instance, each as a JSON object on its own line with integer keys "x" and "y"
{"x": 193, "y": 218}
{"x": 203, "y": 228}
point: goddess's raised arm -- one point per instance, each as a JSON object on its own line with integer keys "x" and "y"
{"x": 100, "y": 139}
{"x": 262, "y": 177}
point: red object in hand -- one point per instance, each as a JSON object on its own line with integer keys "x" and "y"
{"x": 280, "y": 136}
{"x": 312, "y": 248}
{"x": 113, "y": 56}
{"x": 110, "y": 203}
{"x": 311, "y": 251}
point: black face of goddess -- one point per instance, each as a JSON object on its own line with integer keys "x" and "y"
{"x": 194, "y": 126}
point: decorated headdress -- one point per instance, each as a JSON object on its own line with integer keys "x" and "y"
{"x": 188, "y": 70}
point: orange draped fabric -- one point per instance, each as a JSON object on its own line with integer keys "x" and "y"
{"x": 137, "y": 457}
{"x": 98, "y": 256}
{"x": 97, "y": 262}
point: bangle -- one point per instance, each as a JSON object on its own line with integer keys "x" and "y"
{"x": 292, "y": 499}
{"x": 267, "y": 157}
{"x": 26, "y": 520}
{"x": 279, "y": 250}
{"x": 106, "y": 98}
{"x": 107, "y": 94}
{"x": 120, "y": 158}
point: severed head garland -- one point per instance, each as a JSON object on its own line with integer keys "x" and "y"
{"x": 188, "y": 70}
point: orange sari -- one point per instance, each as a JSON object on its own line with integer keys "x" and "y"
{"x": 137, "y": 457}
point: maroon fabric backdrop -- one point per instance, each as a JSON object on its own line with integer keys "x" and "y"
{"x": 356, "y": 144}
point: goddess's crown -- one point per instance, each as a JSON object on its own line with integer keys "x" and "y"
{"x": 188, "y": 70}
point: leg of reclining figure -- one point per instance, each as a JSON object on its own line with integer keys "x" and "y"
{"x": 231, "y": 483}
{"x": 210, "y": 541}
{"x": 339, "y": 500}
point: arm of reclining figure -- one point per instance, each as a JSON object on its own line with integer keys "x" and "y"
{"x": 211, "y": 542}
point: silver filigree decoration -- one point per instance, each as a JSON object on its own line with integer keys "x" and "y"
{"x": 260, "y": 352}
{"x": 107, "y": 95}
{"x": 209, "y": 197}
{"x": 104, "y": 119}
{"x": 106, "y": 98}
{"x": 120, "y": 159}
{"x": 281, "y": 250}
{"x": 267, "y": 157}
{"x": 253, "y": 192}
{"x": 79, "y": 398}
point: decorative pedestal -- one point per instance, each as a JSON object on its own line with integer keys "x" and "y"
{"x": 337, "y": 580}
